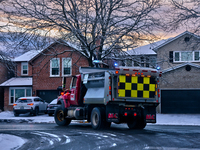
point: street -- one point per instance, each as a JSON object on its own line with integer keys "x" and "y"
{"x": 79, "y": 136}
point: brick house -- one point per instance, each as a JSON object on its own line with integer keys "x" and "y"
{"x": 6, "y": 72}
{"x": 179, "y": 61}
{"x": 41, "y": 73}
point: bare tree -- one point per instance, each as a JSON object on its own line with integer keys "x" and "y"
{"x": 184, "y": 14}
{"x": 94, "y": 25}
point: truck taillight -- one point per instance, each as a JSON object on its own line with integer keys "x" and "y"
{"x": 14, "y": 104}
{"x": 116, "y": 72}
{"x": 158, "y": 93}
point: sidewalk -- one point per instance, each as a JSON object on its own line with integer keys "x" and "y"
{"x": 162, "y": 119}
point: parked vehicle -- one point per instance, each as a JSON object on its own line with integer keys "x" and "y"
{"x": 34, "y": 105}
{"x": 52, "y": 107}
{"x": 101, "y": 96}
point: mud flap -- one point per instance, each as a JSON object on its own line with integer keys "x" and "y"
{"x": 150, "y": 113}
{"x": 112, "y": 113}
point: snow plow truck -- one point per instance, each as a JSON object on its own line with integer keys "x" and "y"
{"x": 102, "y": 96}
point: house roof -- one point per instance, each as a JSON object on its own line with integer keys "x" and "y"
{"x": 18, "y": 81}
{"x": 179, "y": 66}
{"x": 28, "y": 56}
{"x": 174, "y": 38}
{"x": 146, "y": 49}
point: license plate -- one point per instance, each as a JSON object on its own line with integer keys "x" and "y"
{"x": 22, "y": 107}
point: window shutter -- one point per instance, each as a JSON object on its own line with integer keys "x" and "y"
{"x": 171, "y": 56}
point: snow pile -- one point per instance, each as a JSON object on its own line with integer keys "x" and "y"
{"x": 5, "y": 139}
{"x": 178, "y": 119}
{"x": 8, "y": 116}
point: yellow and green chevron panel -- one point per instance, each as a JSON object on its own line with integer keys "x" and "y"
{"x": 134, "y": 86}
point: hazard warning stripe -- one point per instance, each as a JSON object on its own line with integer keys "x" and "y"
{"x": 134, "y": 86}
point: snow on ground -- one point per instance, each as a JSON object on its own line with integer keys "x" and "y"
{"x": 5, "y": 139}
{"x": 17, "y": 142}
{"x": 162, "y": 119}
{"x": 178, "y": 119}
{"x": 41, "y": 118}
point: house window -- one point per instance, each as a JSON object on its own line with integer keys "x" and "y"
{"x": 24, "y": 68}
{"x": 16, "y": 92}
{"x": 196, "y": 56}
{"x": 177, "y": 56}
{"x": 55, "y": 67}
{"x": 66, "y": 66}
{"x": 186, "y": 56}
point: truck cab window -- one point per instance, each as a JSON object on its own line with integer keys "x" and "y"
{"x": 74, "y": 82}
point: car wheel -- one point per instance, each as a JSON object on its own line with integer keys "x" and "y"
{"x": 59, "y": 117}
{"x": 36, "y": 111}
{"x": 16, "y": 115}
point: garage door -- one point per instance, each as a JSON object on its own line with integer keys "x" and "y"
{"x": 48, "y": 95}
{"x": 180, "y": 101}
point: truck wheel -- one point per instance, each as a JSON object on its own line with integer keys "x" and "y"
{"x": 96, "y": 119}
{"x": 36, "y": 111}
{"x": 141, "y": 124}
{"x": 132, "y": 123}
{"x": 59, "y": 117}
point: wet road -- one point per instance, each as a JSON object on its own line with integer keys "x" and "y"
{"x": 82, "y": 137}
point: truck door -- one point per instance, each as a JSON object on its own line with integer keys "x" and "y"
{"x": 75, "y": 90}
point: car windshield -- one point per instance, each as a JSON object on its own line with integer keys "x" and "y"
{"x": 24, "y": 101}
{"x": 54, "y": 101}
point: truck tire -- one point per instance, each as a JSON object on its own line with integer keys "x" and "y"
{"x": 59, "y": 117}
{"x": 141, "y": 124}
{"x": 96, "y": 119}
{"x": 132, "y": 123}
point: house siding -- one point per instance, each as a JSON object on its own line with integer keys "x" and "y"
{"x": 177, "y": 45}
{"x": 18, "y": 70}
{"x": 39, "y": 70}
{"x": 6, "y": 99}
{"x": 181, "y": 79}
{"x": 177, "y": 79}
{"x": 3, "y": 77}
